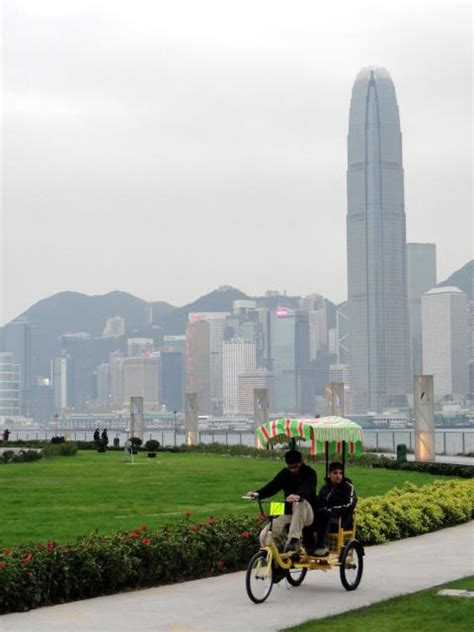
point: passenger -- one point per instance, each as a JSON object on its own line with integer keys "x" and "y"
{"x": 298, "y": 482}
{"x": 337, "y": 499}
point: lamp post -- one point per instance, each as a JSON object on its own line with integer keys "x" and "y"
{"x": 56, "y": 424}
{"x": 175, "y": 413}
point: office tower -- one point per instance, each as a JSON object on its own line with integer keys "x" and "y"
{"x": 116, "y": 379}
{"x": 114, "y": 327}
{"x": 197, "y": 364}
{"x": 445, "y": 341}
{"x": 239, "y": 356}
{"x": 172, "y": 380}
{"x": 217, "y": 324}
{"x": 17, "y": 341}
{"x": 342, "y": 333}
{"x": 63, "y": 378}
{"x": 141, "y": 379}
{"x": 248, "y": 382}
{"x": 103, "y": 384}
{"x": 294, "y": 378}
{"x": 376, "y": 245}
{"x": 139, "y": 347}
{"x": 421, "y": 277}
{"x": 174, "y": 343}
{"x": 10, "y": 386}
{"x": 42, "y": 403}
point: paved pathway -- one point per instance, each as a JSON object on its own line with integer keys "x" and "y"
{"x": 220, "y": 604}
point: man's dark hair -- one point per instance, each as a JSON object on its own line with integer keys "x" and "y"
{"x": 336, "y": 465}
{"x": 293, "y": 456}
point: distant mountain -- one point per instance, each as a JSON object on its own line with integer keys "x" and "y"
{"x": 70, "y": 312}
{"x": 463, "y": 279}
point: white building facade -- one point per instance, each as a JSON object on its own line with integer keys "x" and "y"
{"x": 445, "y": 341}
{"x": 239, "y": 357}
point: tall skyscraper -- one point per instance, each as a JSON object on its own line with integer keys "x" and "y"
{"x": 239, "y": 357}
{"x": 421, "y": 277}
{"x": 445, "y": 341}
{"x": 376, "y": 245}
{"x": 17, "y": 341}
{"x": 10, "y": 385}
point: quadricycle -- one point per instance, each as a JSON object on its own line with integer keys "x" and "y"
{"x": 328, "y": 436}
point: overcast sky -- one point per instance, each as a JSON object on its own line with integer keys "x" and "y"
{"x": 167, "y": 148}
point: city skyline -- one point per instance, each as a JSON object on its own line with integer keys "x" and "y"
{"x": 152, "y": 126}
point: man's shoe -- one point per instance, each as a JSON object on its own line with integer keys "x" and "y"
{"x": 292, "y": 544}
{"x": 321, "y": 551}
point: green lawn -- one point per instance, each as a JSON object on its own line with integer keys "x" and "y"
{"x": 64, "y": 497}
{"x": 424, "y": 611}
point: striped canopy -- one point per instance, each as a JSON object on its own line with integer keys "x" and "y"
{"x": 334, "y": 430}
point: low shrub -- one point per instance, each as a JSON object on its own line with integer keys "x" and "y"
{"x": 23, "y": 456}
{"x": 442, "y": 469}
{"x": 60, "y": 449}
{"x": 152, "y": 445}
{"x": 48, "y": 573}
{"x": 411, "y": 510}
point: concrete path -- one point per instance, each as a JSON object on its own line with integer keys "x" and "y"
{"x": 220, "y": 604}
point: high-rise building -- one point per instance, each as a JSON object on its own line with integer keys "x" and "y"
{"x": 17, "y": 341}
{"x": 10, "y": 385}
{"x": 114, "y": 327}
{"x": 239, "y": 356}
{"x": 139, "y": 347}
{"x": 445, "y": 341}
{"x": 63, "y": 374}
{"x": 294, "y": 378}
{"x": 217, "y": 323}
{"x": 421, "y": 277}
{"x": 172, "y": 380}
{"x": 198, "y": 363}
{"x": 248, "y": 382}
{"x": 376, "y": 245}
{"x": 141, "y": 379}
{"x": 342, "y": 333}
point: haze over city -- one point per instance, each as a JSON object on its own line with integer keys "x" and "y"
{"x": 174, "y": 148}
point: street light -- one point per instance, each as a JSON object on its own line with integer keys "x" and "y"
{"x": 175, "y": 413}
{"x": 56, "y": 424}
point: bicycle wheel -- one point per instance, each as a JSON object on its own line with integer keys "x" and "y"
{"x": 352, "y": 565}
{"x": 295, "y": 576}
{"x": 259, "y": 577}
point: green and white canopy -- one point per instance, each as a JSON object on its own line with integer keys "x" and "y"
{"x": 333, "y": 430}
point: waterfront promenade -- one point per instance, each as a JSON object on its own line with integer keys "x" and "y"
{"x": 220, "y": 604}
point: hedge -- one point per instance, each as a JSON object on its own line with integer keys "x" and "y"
{"x": 49, "y": 573}
{"x": 443, "y": 469}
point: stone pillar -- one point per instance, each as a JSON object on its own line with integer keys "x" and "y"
{"x": 335, "y": 399}
{"x": 191, "y": 419}
{"x": 423, "y": 395}
{"x": 260, "y": 410}
{"x": 137, "y": 425}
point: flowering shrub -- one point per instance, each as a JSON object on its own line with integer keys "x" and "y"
{"x": 48, "y": 573}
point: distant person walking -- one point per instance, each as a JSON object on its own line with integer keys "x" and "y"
{"x": 105, "y": 437}
{"x": 6, "y": 434}
{"x": 97, "y": 435}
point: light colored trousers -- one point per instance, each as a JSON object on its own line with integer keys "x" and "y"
{"x": 302, "y": 516}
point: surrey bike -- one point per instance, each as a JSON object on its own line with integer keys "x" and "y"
{"x": 330, "y": 435}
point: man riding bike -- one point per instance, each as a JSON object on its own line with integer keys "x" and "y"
{"x": 298, "y": 482}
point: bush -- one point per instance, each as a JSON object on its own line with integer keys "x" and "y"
{"x": 23, "y": 456}
{"x": 57, "y": 439}
{"x": 61, "y": 449}
{"x": 151, "y": 445}
{"x": 42, "y": 574}
{"x": 443, "y": 469}
{"x": 411, "y": 510}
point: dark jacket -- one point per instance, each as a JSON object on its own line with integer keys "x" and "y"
{"x": 303, "y": 483}
{"x": 340, "y": 500}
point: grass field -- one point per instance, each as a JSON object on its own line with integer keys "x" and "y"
{"x": 424, "y": 611}
{"x": 64, "y": 497}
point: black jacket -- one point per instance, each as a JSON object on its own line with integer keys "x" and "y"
{"x": 303, "y": 483}
{"x": 340, "y": 500}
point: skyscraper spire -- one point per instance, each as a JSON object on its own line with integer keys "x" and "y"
{"x": 376, "y": 245}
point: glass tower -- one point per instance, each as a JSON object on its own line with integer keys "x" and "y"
{"x": 376, "y": 246}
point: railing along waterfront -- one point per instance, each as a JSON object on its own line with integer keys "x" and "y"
{"x": 448, "y": 441}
